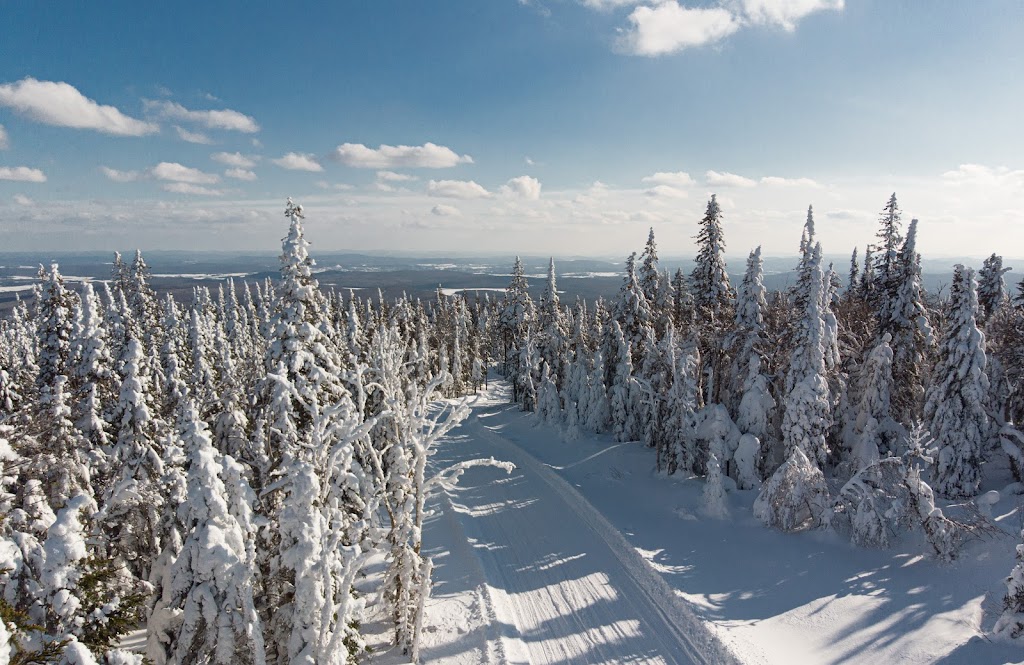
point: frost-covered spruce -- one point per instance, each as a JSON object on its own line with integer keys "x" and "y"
{"x": 709, "y": 281}
{"x": 955, "y": 405}
{"x": 549, "y": 410}
{"x": 749, "y": 396}
{"x": 132, "y": 505}
{"x": 807, "y": 416}
{"x": 992, "y": 293}
{"x": 619, "y": 396}
{"x": 212, "y": 578}
{"x": 912, "y": 336}
{"x": 871, "y": 429}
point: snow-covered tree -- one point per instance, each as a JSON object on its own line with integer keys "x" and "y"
{"x": 955, "y": 402}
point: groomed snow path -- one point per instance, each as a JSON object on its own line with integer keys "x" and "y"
{"x": 554, "y": 581}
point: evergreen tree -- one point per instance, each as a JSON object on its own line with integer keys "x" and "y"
{"x": 911, "y": 334}
{"x": 955, "y": 402}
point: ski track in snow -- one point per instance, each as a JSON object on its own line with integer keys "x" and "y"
{"x": 555, "y": 581}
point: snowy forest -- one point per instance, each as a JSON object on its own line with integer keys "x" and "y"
{"x": 219, "y": 473}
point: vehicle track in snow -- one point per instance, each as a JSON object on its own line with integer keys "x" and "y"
{"x": 562, "y": 585}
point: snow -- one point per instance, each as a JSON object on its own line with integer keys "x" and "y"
{"x": 584, "y": 554}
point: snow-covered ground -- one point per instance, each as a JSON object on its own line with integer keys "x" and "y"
{"x": 585, "y": 555}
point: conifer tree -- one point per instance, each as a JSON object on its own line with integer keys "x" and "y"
{"x": 955, "y": 402}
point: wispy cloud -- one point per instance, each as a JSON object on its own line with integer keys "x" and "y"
{"x": 716, "y": 179}
{"x": 986, "y": 176}
{"x": 192, "y": 137}
{"x": 442, "y": 210}
{"x": 175, "y": 172}
{"x": 391, "y": 176}
{"x": 214, "y": 119}
{"x": 240, "y": 174}
{"x": 189, "y": 188}
{"x": 21, "y": 174}
{"x": 23, "y": 200}
{"x": 62, "y": 105}
{"x": 457, "y": 189}
{"x": 672, "y": 179}
{"x": 427, "y": 155}
{"x": 4, "y": 141}
{"x": 236, "y": 159}
{"x": 295, "y": 161}
{"x": 666, "y": 192}
{"x": 524, "y": 186}
{"x": 775, "y": 181}
{"x": 119, "y": 176}
{"x": 661, "y": 27}
{"x": 786, "y": 13}
{"x": 669, "y": 27}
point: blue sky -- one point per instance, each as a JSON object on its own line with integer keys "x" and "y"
{"x": 562, "y": 126}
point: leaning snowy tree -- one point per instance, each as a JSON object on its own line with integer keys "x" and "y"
{"x": 712, "y": 296}
{"x": 955, "y": 404}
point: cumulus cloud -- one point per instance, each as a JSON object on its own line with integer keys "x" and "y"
{"x": 235, "y": 159}
{"x": 23, "y": 200}
{"x": 119, "y": 176}
{"x": 525, "y": 186}
{"x": 192, "y": 137}
{"x": 342, "y": 186}
{"x": 21, "y": 174}
{"x": 775, "y": 181}
{"x": 4, "y": 142}
{"x": 457, "y": 189}
{"x": 606, "y": 5}
{"x": 786, "y": 13}
{"x": 716, "y": 179}
{"x": 240, "y": 174}
{"x": 62, "y": 105}
{"x": 220, "y": 119}
{"x": 666, "y": 191}
{"x": 669, "y": 27}
{"x": 391, "y": 176}
{"x": 188, "y": 188}
{"x": 428, "y": 155}
{"x": 175, "y": 172}
{"x": 442, "y": 210}
{"x": 295, "y": 161}
{"x": 985, "y": 176}
{"x": 672, "y": 179}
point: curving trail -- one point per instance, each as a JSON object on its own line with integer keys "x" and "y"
{"x": 556, "y": 583}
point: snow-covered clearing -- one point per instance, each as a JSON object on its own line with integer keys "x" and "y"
{"x": 585, "y": 555}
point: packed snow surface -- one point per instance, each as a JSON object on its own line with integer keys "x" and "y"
{"x": 585, "y": 555}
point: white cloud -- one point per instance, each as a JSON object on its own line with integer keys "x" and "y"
{"x": 178, "y": 173}
{"x": 391, "y": 176}
{"x": 716, "y": 179}
{"x": 786, "y": 13}
{"x": 442, "y": 210}
{"x": 188, "y": 188}
{"x": 236, "y": 159}
{"x": 343, "y": 186}
{"x": 119, "y": 176}
{"x": 524, "y": 186}
{"x": 294, "y": 161}
{"x": 62, "y": 105}
{"x": 666, "y": 191}
{"x": 457, "y": 189}
{"x": 21, "y": 174}
{"x": 985, "y": 176}
{"x": 23, "y": 200}
{"x": 529, "y": 161}
{"x": 240, "y": 174}
{"x": 776, "y": 181}
{"x": 669, "y": 27}
{"x": 607, "y": 5}
{"x": 428, "y": 155}
{"x": 4, "y": 142}
{"x": 672, "y": 179}
{"x": 222, "y": 119}
{"x": 192, "y": 137}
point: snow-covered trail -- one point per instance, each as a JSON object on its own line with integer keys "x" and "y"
{"x": 556, "y": 583}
